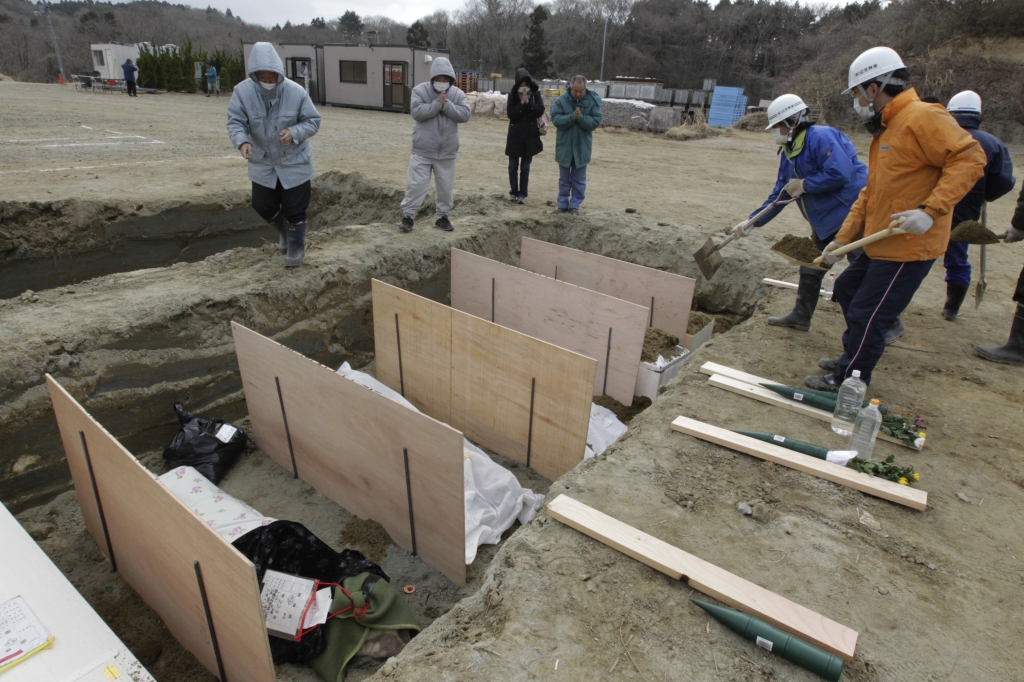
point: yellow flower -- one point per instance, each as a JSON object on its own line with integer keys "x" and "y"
{"x": 903, "y": 481}
{"x": 916, "y": 476}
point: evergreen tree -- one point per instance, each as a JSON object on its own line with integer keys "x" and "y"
{"x": 350, "y": 24}
{"x": 536, "y": 55}
{"x": 417, "y": 35}
{"x": 318, "y": 22}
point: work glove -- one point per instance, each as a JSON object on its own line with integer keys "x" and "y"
{"x": 826, "y": 256}
{"x": 795, "y": 187}
{"x": 1013, "y": 235}
{"x": 745, "y": 228}
{"x": 917, "y": 221}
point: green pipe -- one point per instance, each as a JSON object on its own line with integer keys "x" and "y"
{"x": 828, "y": 395}
{"x": 797, "y": 445}
{"x": 802, "y": 396}
{"x": 776, "y": 641}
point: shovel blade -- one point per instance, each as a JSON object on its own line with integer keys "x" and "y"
{"x": 708, "y": 259}
{"x": 979, "y": 293}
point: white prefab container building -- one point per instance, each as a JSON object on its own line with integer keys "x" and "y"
{"x": 375, "y": 76}
{"x": 302, "y": 62}
{"x": 107, "y": 58}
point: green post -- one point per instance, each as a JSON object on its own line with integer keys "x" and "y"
{"x": 828, "y": 395}
{"x": 802, "y": 396}
{"x": 797, "y": 445}
{"x": 776, "y": 641}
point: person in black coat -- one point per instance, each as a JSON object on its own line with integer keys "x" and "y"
{"x": 525, "y": 106}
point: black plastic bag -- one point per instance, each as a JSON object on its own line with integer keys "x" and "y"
{"x": 290, "y": 547}
{"x": 210, "y": 446}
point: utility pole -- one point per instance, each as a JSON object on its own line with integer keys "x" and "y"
{"x": 604, "y": 42}
{"x": 53, "y": 35}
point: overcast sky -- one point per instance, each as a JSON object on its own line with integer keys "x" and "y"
{"x": 270, "y": 12}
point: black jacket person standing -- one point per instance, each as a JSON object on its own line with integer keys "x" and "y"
{"x": 1013, "y": 352}
{"x": 525, "y": 106}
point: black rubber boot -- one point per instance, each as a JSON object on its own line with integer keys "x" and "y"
{"x": 955, "y": 295}
{"x": 1013, "y": 352}
{"x": 806, "y": 300}
{"x": 296, "y": 244}
{"x": 281, "y": 225}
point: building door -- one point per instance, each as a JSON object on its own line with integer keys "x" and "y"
{"x": 302, "y": 73}
{"x": 395, "y": 85}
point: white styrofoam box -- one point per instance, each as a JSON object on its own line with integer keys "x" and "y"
{"x": 649, "y": 377}
{"x": 632, "y": 91}
{"x": 697, "y": 340}
{"x": 617, "y": 90}
{"x": 647, "y": 92}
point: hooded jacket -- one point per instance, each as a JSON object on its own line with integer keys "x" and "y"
{"x": 833, "y": 178}
{"x": 575, "y": 138}
{"x": 436, "y": 133}
{"x": 129, "y": 71}
{"x": 523, "y": 134}
{"x": 921, "y": 157}
{"x": 998, "y": 178}
{"x": 258, "y": 118}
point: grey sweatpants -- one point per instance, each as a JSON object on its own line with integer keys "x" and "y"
{"x": 419, "y": 183}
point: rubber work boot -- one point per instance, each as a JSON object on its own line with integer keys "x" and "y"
{"x": 1013, "y": 352}
{"x": 806, "y": 300}
{"x": 296, "y": 244}
{"x": 895, "y": 332}
{"x": 443, "y": 223}
{"x": 955, "y": 295}
{"x": 822, "y": 382}
{"x": 406, "y": 225}
{"x": 281, "y": 225}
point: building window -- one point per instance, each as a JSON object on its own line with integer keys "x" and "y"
{"x": 97, "y": 57}
{"x": 353, "y": 72}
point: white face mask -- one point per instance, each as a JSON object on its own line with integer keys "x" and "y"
{"x": 268, "y": 86}
{"x": 441, "y": 86}
{"x": 863, "y": 111}
{"x": 779, "y": 136}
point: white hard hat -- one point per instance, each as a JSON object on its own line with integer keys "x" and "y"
{"x": 874, "y": 65}
{"x": 784, "y": 107}
{"x": 966, "y": 102}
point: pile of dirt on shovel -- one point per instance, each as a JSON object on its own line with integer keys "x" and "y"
{"x": 973, "y": 232}
{"x": 800, "y": 248}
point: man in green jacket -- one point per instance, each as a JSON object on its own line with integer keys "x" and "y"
{"x": 575, "y": 114}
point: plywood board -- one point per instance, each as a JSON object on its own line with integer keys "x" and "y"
{"x": 423, "y": 332}
{"x": 707, "y": 578}
{"x": 749, "y": 385}
{"x": 491, "y": 371}
{"x": 350, "y": 444}
{"x": 871, "y": 485}
{"x": 667, "y": 296}
{"x": 156, "y": 539}
{"x": 607, "y": 329}
{"x": 499, "y": 375}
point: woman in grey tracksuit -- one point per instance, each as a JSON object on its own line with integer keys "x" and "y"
{"x": 270, "y": 121}
{"x": 438, "y": 107}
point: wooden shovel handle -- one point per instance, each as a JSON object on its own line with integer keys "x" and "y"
{"x": 893, "y": 229}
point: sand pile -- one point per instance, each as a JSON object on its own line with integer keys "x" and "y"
{"x": 800, "y": 248}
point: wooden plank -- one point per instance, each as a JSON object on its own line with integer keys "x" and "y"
{"x": 871, "y": 485}
{"x": 607, "y": 329}
{"x": 672, "y": 294}
{"x": 749, "y": 385}
{"x": 156, "y": 539}
{"x": 707, "y": 578}
{"x": 499, "y": 374}
{"x": 424, "y": 331}
{"x": 350, "y": 442}
{"x": 491, "y": 371}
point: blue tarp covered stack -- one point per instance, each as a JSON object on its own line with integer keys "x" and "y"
{"x": 727, "y": 106}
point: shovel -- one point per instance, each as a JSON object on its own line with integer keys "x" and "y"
{"x": 707, "y": 257}
{"x": 890, "y": 231}
{"x": 979, "y": 288}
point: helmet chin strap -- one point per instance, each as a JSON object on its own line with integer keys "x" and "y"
{"x": 888, "y": 80}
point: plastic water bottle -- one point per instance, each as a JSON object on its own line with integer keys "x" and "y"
{"x": 848, "y": 403}
{"x": 829, "y": 284}
{"x": 865, "y": 430}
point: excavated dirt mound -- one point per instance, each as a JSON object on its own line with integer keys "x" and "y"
{"x": 801, "y": 248}
{"x": 698, "y": 321}
{"x": 657, "y": 342}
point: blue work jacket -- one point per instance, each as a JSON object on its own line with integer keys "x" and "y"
{"x": 998, "y": 178}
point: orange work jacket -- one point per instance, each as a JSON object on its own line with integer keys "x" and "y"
{"x": 922, "y": 157}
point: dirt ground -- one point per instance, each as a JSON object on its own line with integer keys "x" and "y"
{"x": 936, "y": 595}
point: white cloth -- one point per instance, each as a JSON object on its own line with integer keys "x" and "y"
{"x": 605, "y": 428}
{"x": 418, "y": 185}
{"x": 230, "y": 517}
{"x": 494, "y": 498}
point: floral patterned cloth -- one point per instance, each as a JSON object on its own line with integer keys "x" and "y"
{"x": 231, "y": 518}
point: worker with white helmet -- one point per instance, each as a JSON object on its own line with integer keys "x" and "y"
{"x": 921, "y": 163}
{"x": 818, "y": 166}
{"x": 997, "y": 181}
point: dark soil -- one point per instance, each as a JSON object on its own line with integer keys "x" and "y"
{"x": 973, "y": 232}
{"x": 698, "y": 321}
{"x": 801, "y": 248}
{"x": 625, "y": 414}
{"x": 369, "y": 537}
{"x": 658, "y": 342}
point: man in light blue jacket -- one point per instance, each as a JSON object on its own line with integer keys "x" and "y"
{"x": 438, "y": 107}
{"x": 270, "y": 121}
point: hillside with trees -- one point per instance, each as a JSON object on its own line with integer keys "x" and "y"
{"x": 766, "y": 47}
